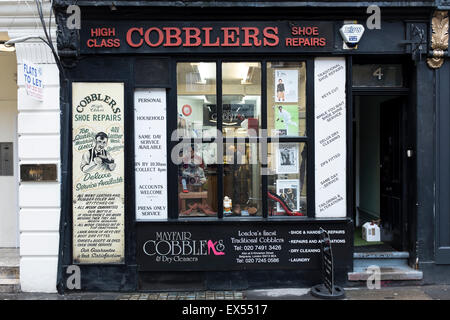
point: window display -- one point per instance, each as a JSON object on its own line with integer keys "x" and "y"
{"x": 241, "y": 98}
{"x": 196, "y": 90}
{"x": 197, "y": 183}
{"x": 226, "y": 177}
{"x": 242, "y": 179}
{"x": 287, "y": 179}
{"x": 286, "y": 98}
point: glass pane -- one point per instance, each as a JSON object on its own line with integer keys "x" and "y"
{"x": 286, "y": 98}
{"x": 241, "y": 98}
{"x": 287, "y": 179}
{"x": 242, "y": 180}
{"x": 196, "y": 89}
{"x": 197, "y": 181}
{"x": 377, "y": 75}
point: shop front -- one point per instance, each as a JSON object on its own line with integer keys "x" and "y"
{"x": 208, "y": 152}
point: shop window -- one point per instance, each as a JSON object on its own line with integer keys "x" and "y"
{"x": 241, "y": 98}
{"x": 243, "y": 154}
{"x": 286, "y": 179}
{"x": 198, "y": 178}
{"x": 286, "y": 98}
{"x": 196, "y": 88}
{"x": 242, "y": 179}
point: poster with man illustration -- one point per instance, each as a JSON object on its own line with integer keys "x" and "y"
{"x": 98, "y": 173}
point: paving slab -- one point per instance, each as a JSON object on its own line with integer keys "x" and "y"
{"x": 425, "y": 292}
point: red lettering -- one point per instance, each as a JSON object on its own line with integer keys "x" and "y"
{"x": 248, "y": 36}
{"x": 305, "y": 31}
{"x": 229, "y": 35}
{"x": 89, "y": 43}
{"x": 207, "y": 38}
{"x": 273, "y": 35}
{"x": 103, "y": 32}
{"x": 170, "y": 36}
{"x": 323, "y": 42}
{"x": 160, "y": 37}
{"x": 129, "y": 37}
{"x": 190, "y": 36}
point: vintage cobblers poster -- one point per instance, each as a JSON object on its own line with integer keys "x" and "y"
{"x": 98, "y": 172}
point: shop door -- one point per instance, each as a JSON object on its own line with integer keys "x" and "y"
{"x": 391, "y": 172}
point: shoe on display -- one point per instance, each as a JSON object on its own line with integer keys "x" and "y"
{"x": 207, "y": 209}
{"x": 252, "y": 211}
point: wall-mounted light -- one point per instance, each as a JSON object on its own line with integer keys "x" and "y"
{"x": 12, "y": 42}
{"x": 4, "y": 48}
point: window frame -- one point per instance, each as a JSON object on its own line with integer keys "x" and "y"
{"x": 308, "y": 140}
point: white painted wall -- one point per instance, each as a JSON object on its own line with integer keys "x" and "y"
{"x": 8, "y": 133}
{"x": 39, "y": 202}
{"x": 37, "y": 142}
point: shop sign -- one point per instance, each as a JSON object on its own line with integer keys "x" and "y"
{"x": 150, "y": 154}
{"x": 218, "y": 246}
{"x": 219, "y": 37}
{"x": 98, "y": 172}
{"x": 330, "y": 137}
{"x": 33, "y": 79}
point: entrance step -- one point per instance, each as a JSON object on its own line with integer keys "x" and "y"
{"x": 9, "y": 270}
{"x": 393, "y": 266}
{"x": 381, "y": 259}
{"x": 9, "y": 285}
{"x": 386, "y": 273}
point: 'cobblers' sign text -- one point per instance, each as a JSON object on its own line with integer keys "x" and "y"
{"x": 166, "y": 37}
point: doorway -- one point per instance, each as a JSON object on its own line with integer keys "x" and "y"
{"x": 380, "y": 157}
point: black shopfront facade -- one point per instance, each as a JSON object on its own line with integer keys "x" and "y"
{"x": 226, "y": 135}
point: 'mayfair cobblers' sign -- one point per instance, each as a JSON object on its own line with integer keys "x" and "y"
{"x": 247, "y": 245}
{"x": 220, "y": 37}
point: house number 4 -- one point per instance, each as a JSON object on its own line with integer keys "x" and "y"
{"x": 377, "y": 73}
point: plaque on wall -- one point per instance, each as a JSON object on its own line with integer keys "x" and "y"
{"x": 38, "y": 172}
{"x": 98, "y": 173}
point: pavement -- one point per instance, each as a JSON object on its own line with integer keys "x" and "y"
{"x": 424, "y": 292}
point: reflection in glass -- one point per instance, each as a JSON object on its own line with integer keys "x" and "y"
{"x": 286, "y": 98}
{"x": 196, "y": 93}
{"x": 241, "y": 98}
{"x": 287, "y": 179}
{"x": 197, "y": 181}
{"x": 242, "y": 180}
